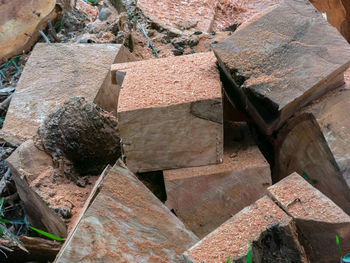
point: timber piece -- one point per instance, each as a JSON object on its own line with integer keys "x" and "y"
{"x": 170, "y": 112}
{"x": 38, "y": 213}
{"x": 331, "y": 112}
{"x": 337, "y": 13}
{"x": 125, "y": 222}
{"x": 318, "y": 219}
{"x": 204, "y": 197}
{"x": 40, "y": 250}
{"x": 53, "y": 74}
{"x": 20, "y": 22}
{"x": 301, "y": 147}
{"x": 271, "y": 233}
{"x": 278, "y": 66}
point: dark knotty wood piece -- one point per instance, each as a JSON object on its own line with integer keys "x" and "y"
{"x": 40, "y": 250}
{"x": 279, "y": 65}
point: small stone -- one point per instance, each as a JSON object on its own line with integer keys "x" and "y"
{"x": 104, "y": 14}
{"x": 178, "y": 52}
{"x": 185, "y": 25}
{"x": 82, "y": 181}
{"x": 193, "y": 42}
{"x": 119, "y": 39}
{"x": 179, "y": 43}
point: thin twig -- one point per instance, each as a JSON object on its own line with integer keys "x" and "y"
{"x": 44, "y": 36}
{"x": 149, "y": 44}
{"x": 5, "y": 104}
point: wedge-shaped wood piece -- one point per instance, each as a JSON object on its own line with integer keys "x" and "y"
{"x": 170, "y": 112}
{"x": 332, "y": 115}
{"x": 318, "y": 219}
{"x": 125, "y": 222}
{"x": 38, "y": 213}
{"x": 55, "y": 73}
{"x": 204, "y": 197}
{"x": 264, "y": 226}
{"x": 301, "y": 147}
{"x": 279, "y": 65}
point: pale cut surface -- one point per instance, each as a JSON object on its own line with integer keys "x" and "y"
{"x": 168, "y": 81}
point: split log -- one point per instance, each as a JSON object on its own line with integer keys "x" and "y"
{"x": 170, "y": 112}
{"x": 278, "y": 66}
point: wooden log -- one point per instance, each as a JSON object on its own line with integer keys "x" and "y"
{"x": 170, "y": 112}
{"x": 20, "y": 23}
{"x": 318, "y": 219}
{"x": 53, "y": 74}
{"x": 204, "y": 197}
{"x": 278, "y": 66}
{"x": 263, "y": 225}
{"x": 125, "y": 222}
{"x": 301, "y": 147}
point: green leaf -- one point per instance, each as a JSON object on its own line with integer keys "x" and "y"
{"x": 228, "y": 259}
{"x": 338, "y": 245}
{"x": 47, "y": 234}
{"x": 1, "y": 204}
{"x": 249, "y": 255}
{"x": 4, "y": 221}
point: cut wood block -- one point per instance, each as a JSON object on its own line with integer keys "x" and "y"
{"x": 271, "y": 233}
{"x": 301, "y": 147}
{"x": 279, "y": 65}
{"x": 35, "y": 167}
{"x": 55, "y": 73}
{"x": 170, "y": 112}
{"x": 332, "y": 115}
{"x": 180, "y": 16}
{"x": 20, "y": 22}
{"x": 318, "y": 219}
{"x": 125, "y": 222}
{"x": 204, "y": 197}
